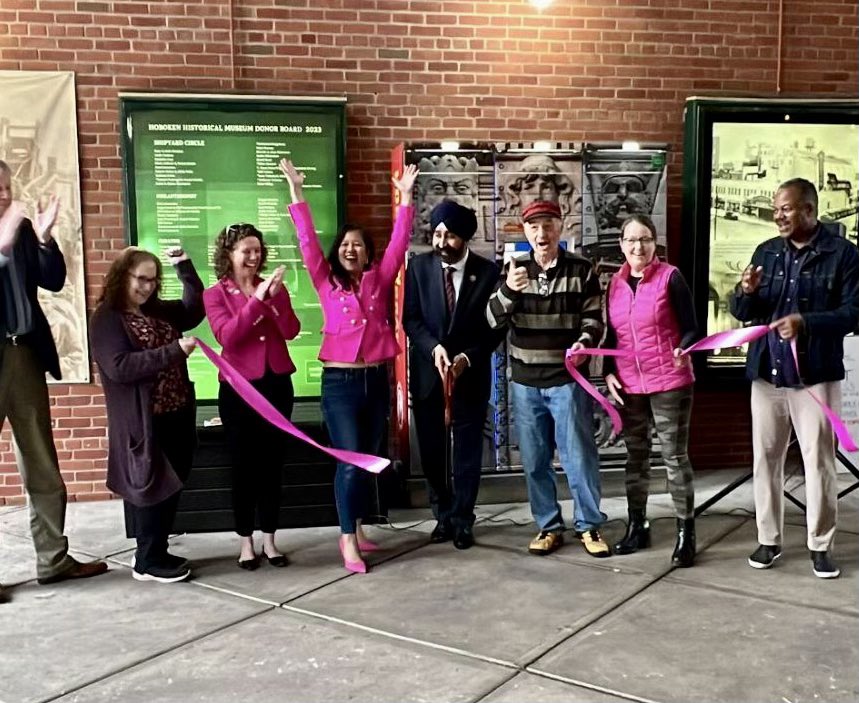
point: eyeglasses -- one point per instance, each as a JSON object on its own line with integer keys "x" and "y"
{"x": 236, "y": 227}
{"x": 543, "y": 283}
{"x": 145, "y": 280}
{"x": 644, "y": 241}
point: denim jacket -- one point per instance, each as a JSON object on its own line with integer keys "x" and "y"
{"x": 828, "y": 302}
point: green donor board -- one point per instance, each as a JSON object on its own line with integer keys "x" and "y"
{"x": 196, "y": 165}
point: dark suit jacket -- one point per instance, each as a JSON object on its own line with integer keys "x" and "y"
{"x": 39, "y": 267}
{"x": 427, "y": 323}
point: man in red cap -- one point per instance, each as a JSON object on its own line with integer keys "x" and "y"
{"x": 550, "y": 302}
{"x": 444, "y": 315}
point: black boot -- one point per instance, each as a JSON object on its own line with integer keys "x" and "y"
{"x": 684, "y": 550}
{"x": 637, "y": 534}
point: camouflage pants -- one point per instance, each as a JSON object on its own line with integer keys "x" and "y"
{"x": 670, "y": 412}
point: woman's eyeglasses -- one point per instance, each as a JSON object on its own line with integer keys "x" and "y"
{"x": 644, "y": 241}
{"x": 145, "y": 280}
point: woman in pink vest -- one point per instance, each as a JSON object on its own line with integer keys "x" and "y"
{"x": 357, "y": 342}
{"x": 649, "y": 311}
{"x": 252, "y": 319}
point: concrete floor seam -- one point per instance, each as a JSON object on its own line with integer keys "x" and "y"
{"x": 150, "y": 658}
{"x": 403, "y": 638}
{"x": 589, "y": 686}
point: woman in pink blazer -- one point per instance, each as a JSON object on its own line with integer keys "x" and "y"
{"x": 357, "y": 342}
{"x": 252, "y": 318}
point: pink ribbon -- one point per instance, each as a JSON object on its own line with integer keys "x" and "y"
{"x": 267, "y": 411}
{"x": 720, "y": 340}
{"x": 588, "y": 387}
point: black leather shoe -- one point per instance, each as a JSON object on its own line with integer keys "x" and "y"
{"x": 464, "y": 538}
{"x": 4, "y": 595}
{"x": 279, "y": 561}
{"x": 249, "y": 564}
{"x": 78, "y": 571}
{"x": 441, "y": 533}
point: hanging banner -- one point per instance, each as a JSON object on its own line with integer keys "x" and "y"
{"x": 39, "y": 141}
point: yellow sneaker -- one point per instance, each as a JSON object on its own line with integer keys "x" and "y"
{"x": 594, "y": 544}
{"x": 546, "y": 543}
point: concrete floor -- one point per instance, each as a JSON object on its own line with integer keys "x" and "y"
{"x": 429, "y": 623}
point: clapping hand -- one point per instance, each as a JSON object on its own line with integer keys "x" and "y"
{"x": 9, "y": 226}
{"x": 276, "y": 280}
{"x": 271, "y": 285}
{"x": 405, "y": 184}
{"x": 45, "y": 219}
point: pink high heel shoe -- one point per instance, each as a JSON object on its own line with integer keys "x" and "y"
{"x": 366, "y": 545}
{"x": 356, "y": 567}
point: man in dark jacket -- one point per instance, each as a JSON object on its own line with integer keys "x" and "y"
{"x": 805, "y": 285}
{"x": 444, "y": 316}
{"x": 30, "y": 259}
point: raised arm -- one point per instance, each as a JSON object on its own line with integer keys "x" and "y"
{"x": 402, "y": 234}
{"x": 187, "y": 313}
{"x": 308, "y": 240}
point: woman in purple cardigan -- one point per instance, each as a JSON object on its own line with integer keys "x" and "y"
{"x": 357, "y": 342}
{"x": 141, "y": 355}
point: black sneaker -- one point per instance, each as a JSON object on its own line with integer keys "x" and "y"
{"x": 764, "y": 556}
{"x": 162, "y": 573}
{"x": 169, "y": 560}
{"x": 823, "y": 566}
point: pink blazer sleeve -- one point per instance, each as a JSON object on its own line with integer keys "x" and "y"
{"x": 228, "y": 327}
{"x": 395, "y": 254}
{"x": 308, "y": 242}
{"x": 279, "y": 309}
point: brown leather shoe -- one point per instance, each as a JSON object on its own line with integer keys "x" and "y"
{"x": 78, "y": 571}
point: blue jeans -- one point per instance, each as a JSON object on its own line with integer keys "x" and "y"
{"x": 355, "y": 406}
{"x": 561, "y": 416}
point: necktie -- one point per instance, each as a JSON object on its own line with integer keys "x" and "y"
{"x": 449, "y": 290}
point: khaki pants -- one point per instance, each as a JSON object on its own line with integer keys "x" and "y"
{"x": 24, "y": 400}
{"x": 773, "y": 412}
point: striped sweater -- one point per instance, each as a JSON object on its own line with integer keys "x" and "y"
{"x": 543, "y": 324}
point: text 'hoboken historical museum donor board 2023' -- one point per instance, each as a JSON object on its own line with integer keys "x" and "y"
{"x": 197, "y": 165}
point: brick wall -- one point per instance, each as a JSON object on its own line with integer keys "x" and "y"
{"x": 414, "y": 71}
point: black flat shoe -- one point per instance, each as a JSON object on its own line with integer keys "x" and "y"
{"x": 249, "y": 564}
{"x": 279, "y": 560}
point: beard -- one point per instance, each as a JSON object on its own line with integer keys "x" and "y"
{"x": 449, "y": 255}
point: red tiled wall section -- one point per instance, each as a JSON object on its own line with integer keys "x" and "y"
{"x": 411, "y": 70}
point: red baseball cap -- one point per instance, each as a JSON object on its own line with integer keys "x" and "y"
{"x": 541, "y": 208}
